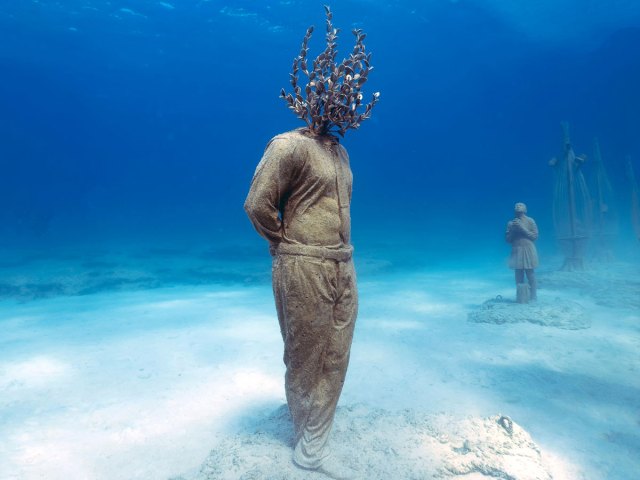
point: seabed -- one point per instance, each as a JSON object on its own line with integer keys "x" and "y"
{"x": 140, "y": 364}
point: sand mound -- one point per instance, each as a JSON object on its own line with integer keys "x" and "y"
{"x": 563, "y": 314}
{"x": 384, "y": 445}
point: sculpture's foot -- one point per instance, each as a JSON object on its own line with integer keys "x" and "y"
{"x": 337, "y": 471}
{"x": 333, "y": 469}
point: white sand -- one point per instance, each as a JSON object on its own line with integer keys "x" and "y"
{"x": 144, "y": 385}
{"x": 378, "y": 444}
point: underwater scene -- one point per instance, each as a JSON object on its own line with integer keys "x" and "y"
{"x": 298, "y": 240}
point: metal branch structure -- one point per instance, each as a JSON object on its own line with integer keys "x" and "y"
{"x": 331, "y": 101}
{"x": 571, "y": 205}
{"x": 635, "y": 199}
{"x": 605, "y": 217}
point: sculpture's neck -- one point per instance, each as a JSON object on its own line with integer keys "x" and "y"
{"x": 325, "y": 139}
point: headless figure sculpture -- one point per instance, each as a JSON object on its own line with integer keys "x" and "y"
{"x": 299, "y": 202}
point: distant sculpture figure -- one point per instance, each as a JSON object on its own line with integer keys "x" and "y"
{"x": 299, "y": 201}
{"x": 522, "y": 231}
{"x": 605, "y": 225}
{"x": 635, "y": 198}
{"x": 572, "y": 205}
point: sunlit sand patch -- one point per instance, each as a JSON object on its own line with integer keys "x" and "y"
{"x": 402, "y": 302}
{"x": 255, "y": 383}
{"x": 175, "y": 304}
{"x": 138, "y": 434}
{"x": 252, "y": 327}
{"x": 423, "y": 303}
{"x": 226, "y": 294}
{"x": 367, "y": 352}
{"x": 48, "y": 455}
{"x": 512, "y": 357}
{"x": 561, "y": 467}
{"x": 218, "y": 396}
{"x": 465, "y": 282}
{"x": 624, "y": 342}
{"x": 37, "y": 372}
{"x": 393, "y": 324}
{"x": 436, "y": 308}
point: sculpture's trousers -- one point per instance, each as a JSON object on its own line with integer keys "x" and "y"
{"x": 531, "y": 277}
{"x": 317, "y": 304}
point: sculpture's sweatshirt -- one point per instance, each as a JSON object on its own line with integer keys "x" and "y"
{"x": 301, "y": 192}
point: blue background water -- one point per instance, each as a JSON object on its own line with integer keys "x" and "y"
{"x": 130, "y": 129}
{"x": 142, "y": 120}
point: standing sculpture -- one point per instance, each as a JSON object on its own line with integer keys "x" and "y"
{"x": 606, "y": 226}
{"x": 299, "y": 202}
{"x": 571, "y": 205}
{"x": 522, "y": 231}
{"x": 635, "y": 199}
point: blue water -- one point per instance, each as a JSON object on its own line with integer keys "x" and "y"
{"x": 130, "y": 131}
{"x": 144, "y": 120}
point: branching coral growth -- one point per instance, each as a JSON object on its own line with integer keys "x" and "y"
{"x": 332, "y": 100}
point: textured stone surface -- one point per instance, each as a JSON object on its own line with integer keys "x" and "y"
{"x": 563, "y": 314}
{"x": 386, "y": 445}
{"x": 495, "y": 447}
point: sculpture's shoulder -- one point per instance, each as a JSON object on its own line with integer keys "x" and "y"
{"x": 299, "y": 145}
{"x": 280, "y": 150}
{"x": 292, "y": 138}
{"x": 343, "y": 151}
{"x": 283, "y": 141}
{"x": 288, "y": 145}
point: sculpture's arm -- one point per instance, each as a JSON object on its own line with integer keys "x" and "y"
{"x": 508, "y": 236}
{"x": 269, "y": 185}
{"x": 532, "y": 231}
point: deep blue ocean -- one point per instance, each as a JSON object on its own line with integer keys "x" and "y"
{"x": 138, "y": 331}
{"x": 144, "y": 120}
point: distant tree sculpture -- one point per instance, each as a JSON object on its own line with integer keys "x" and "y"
{"x": 635, "y": 199}
{"x": 571, "y": 205}
{"x": 606, "y": 222}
